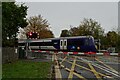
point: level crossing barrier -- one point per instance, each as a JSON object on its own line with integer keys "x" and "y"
{"x": 78, "y": 53}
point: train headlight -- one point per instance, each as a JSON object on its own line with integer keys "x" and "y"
{"x": 73, "y": 47}
{"x": 78, "y": 48}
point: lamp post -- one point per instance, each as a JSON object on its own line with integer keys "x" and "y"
{"x": 99, "y": 40}
{"x": 99, "y": 44}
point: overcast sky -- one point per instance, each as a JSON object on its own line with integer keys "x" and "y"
{"x": 61, "y": 15}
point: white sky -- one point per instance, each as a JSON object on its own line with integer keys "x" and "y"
{"x": 61, "y": 15}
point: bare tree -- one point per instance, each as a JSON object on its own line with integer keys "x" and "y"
{"x": 40, "y": 25}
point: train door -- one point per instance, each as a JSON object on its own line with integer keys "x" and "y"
{"x": 63, "y": 44}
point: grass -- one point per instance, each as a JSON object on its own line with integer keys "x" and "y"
{"x": 26, "y": 69}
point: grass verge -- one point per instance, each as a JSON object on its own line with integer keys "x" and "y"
{"x": 26, "y": 69}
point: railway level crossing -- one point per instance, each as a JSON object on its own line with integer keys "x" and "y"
{"x": 77, "y": 67}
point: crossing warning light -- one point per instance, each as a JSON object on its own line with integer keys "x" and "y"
{"x": 32, "y": 35}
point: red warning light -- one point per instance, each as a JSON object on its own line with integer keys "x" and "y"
{"x": 32, "y": 35}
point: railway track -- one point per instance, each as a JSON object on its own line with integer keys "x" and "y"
{"x": 83, "y": 68}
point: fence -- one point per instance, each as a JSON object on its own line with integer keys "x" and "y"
{"x": 9, "y": 55}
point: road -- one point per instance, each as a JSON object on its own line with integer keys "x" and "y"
{"x": 82, "y": 67}
{"x": 86, "y": 67}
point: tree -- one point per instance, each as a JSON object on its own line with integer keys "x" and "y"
{"x": 65, "y": 33}
{"x": 118, "y": 43}
{"x": 90, "y": 27}
{"x": 40, "y": 25}
{"x": 112, "y": 38}
{"x": 74, "y": 31}
{"x": 13, "y": 17}
{"x": 87, "y": 27}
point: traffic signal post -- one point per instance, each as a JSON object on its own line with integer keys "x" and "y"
{"x": 32, "y": 35}
{"x": 98, "y": 43}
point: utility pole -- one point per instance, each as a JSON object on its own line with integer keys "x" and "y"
{"x": 99, "y": 44}
{"x": 26, "y": 48}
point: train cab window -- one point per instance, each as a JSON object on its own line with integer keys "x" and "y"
{"x": 86, "y": 42}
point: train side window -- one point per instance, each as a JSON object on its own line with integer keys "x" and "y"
{"x": 34, "y": 44}
{"x": 21, "y": 44}
{"x": 64, "y": 43}
{"x": 47, "y": 43}
{"x": 61, "y": 43}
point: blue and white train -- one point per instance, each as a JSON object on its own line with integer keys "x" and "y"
{"x": 73, "y": 44}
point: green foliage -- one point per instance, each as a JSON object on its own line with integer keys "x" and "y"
{"x": 118, "y": 43}
{"x": 87, "y": 27}
{"x": 74, "y": 31}
{"x": 112, "y": 38}
{"x": 13, "y": 17}
{"x": 40, "y": 25}
{"x": 65, "y": 33}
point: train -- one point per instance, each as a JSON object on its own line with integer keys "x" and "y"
{"x": 72, "y": 44}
